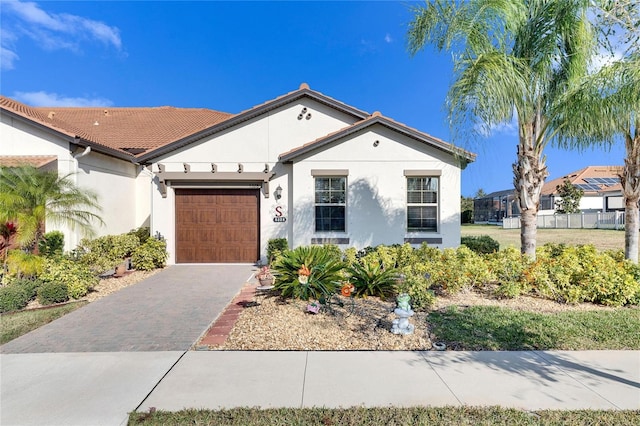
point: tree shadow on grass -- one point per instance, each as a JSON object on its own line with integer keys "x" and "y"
{"x": 482, "y": 328}
{"x": 487, "y": 332}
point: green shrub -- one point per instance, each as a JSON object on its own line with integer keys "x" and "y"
{"x": 405, "y": 255}
{"x": 51, "y": 244}
{"x": 509, "y": 268}
{"x": 150, "y": 255}
{"x": 350, "y": 256}
{"x": 633, "y": 270}
{"x": 425, "y": 253}
{"x": 13, "y": 298}
{"x": 123, "y": 245}
{"x": 451, "y": 270}
{"x": 333, "y": 251}
{"x": 143, "y": 233}
{"x": 53, "y": 292}
{"x": 466, "y": 216}
{"x": 372, "y": 280}
{"x": 389, "y": 257}
{"x": 383, "y": 256}
{"x": 23, "y": 265}
{"x": 482, "y": 244}
{"x": 275, "y": 247}
{"x": 574, "y": 274}
{"x": 106, "y": 252}
{"x": 324, "y": 265}
{"x": 365, "y": 251}
{"x": 417, "y": 287}
{"x": 30, "y": 285}
{"x": 77, "y": 277}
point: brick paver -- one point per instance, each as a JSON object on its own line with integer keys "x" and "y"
{"x": 217, "y": 334}
{"x": 166, "y": 312}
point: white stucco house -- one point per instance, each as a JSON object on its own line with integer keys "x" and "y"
{"x": 218, "y": 186}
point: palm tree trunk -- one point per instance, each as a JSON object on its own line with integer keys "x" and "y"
{"x": 529, "y": 173}
{"x": 528, "y": 232}
{"x": 632, "y": 225}
{"x": 630, "y": 180}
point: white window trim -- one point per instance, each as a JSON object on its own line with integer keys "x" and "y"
{"x": 419, "y": 174}
{"x": 331, "y": 174}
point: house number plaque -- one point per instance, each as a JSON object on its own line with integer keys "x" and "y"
{"x": 279, "y": 213}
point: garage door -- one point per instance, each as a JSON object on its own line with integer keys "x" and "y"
{"x": 217, "y": 225}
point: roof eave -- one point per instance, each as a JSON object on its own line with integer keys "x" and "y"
{"x": 250, "y": 114}
{"x": 71, "y": 138}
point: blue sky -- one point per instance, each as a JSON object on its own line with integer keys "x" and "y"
{"x": 230, "y": 56}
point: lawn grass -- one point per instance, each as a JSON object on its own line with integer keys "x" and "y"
{"x": 479, "y": 328}
{"x": 391, "y": 416}
{"x": 603, "y": 239}
{"x": 15, "y": 324}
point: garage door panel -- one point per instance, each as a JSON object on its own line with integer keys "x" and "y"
{"x": 217, "y": 225}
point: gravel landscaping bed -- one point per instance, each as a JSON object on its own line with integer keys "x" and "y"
{"x": 270, "y": 323}
{"x": 275, "y": 324}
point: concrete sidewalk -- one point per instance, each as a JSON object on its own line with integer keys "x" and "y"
{"x": 101, "y": 388}
{"x": 527, "y": 380}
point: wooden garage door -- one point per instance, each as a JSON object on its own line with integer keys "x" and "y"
{"x": 217, "y": 225}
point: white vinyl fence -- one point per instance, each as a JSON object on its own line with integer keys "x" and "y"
{"x": 607, "y": 220}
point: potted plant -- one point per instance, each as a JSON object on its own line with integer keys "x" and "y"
{"x": 264, "y": 276}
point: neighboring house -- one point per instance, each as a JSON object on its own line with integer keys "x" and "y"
{"x": 601, "y": 186}
{"x": 595, "y": 181}
{"x": 495, "y": 206}
{"x": 217, "y": 186}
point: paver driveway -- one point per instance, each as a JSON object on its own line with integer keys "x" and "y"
{"x": 166, "y": 312}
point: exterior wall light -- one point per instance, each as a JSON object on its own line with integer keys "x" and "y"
{"x": 278, "y": 192}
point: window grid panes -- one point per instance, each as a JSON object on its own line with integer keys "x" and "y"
{"x": 422, "y": 204}
{"x": 330, "y": 199}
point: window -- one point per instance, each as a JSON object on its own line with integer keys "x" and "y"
{"x": 422, "y": 204}
{"x": 330, "y": 203}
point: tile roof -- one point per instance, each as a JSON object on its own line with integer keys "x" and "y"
{"x": 33, "y": 114}
{"x": 137, "y": 130}
{"x": 146, "y": 133}
{"x": 31, "y": 160}
{"x": 591, "y": 179}
{"x": 128, "y": 130}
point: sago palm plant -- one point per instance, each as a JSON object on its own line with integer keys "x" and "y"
{"x": 305, "y": 273}
{"x": 370, "y": 279}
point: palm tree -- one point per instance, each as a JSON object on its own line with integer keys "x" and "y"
{"x": 608, "y": 103}
{"x": 29, "y": 196}
{"x": 510, "y": 57}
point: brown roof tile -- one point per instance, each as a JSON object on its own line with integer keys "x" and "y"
{"x": 128, "y": 130}
{"x": 137, "y": 130}
{"x": 32, "y": 114}
{"x": 31, "y": 160}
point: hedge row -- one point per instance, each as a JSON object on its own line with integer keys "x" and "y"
{"x": 567, "y": 274}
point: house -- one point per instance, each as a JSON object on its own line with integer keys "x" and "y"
{"x": 495, "y": 206}
{"x": 218, "y": 186}
{"x": 601, "y": 186}
{"x": 595, "y": 181}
